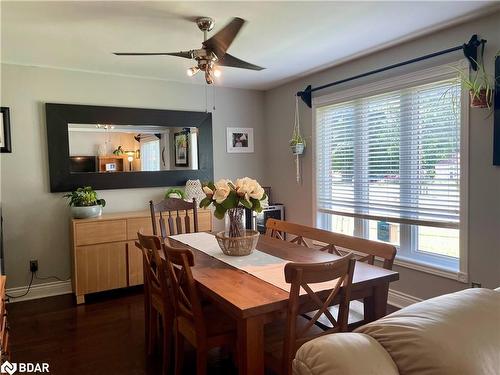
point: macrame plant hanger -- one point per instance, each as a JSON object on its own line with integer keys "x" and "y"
{"x": 297, "y": 142}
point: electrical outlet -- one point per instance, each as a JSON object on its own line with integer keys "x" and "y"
{"x": 33, "y": 265}
{"x": 475, "y": 285}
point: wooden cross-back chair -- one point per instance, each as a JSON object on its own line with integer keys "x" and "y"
{"x": 191, "y": 316}
{"x": 338, "y": 244}
{"x": 301, "y": 276}
{"x": 170, "y": 212}
{"x": 334, "y": 243}
{"x": 157, "y": 299}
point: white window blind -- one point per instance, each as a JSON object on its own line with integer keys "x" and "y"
{"x": 150, "y": 153}
{"x": 393, "y": 156}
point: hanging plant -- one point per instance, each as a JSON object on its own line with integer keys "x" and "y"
{"x": 297, "y": 143}
{"x": 480, "y": 85}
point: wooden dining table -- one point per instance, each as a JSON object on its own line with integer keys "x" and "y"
{"x": 253, "y": 302}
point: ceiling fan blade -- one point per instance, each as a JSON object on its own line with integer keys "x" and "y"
{"x": 220, "y": 42}
{"x": 185, "y": 54}
{"x": 230, "y": 60}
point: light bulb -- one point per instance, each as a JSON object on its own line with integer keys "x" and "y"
{"x": 130, "y": 158}
{"x": 217, "y": 72}
{"x": 192, "y": 71}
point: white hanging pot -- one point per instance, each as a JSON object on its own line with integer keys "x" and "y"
{"x": 298, "y": 148}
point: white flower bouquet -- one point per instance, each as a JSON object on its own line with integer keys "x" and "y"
{"x": 230, "y": 197}
{"x": 225, "y": 195}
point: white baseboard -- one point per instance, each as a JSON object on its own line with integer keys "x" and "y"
{"x": 40, "y": 291}
{"x": 400, "y": 299}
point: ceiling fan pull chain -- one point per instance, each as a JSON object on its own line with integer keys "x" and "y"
{"x": 215, "y": 96}
{"x": 206, "y": 98}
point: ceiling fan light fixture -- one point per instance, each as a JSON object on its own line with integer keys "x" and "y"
{"x": 208, "y": 77}
{"x": 217, "y": 72}
{"x": 192, "y": 71}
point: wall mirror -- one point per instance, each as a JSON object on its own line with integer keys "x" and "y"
{"x": 114, "y": 147}
{"x": 105, "y": 148}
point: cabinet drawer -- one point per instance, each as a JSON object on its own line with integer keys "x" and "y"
{"x": 101, "y": 267}
{"x": 137, "y": 224}
{"x": 100, "y": 231}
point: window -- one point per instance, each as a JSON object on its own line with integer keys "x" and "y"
{"x": 388, "y": 166}
{"x": 150, "y": 154}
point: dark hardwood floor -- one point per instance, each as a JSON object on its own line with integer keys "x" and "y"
{"x": 104, "y": 336}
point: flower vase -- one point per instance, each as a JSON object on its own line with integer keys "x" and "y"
{"x": 236, "y": 240}
{"x": 234, "y": 222}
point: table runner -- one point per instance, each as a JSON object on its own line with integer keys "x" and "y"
{"x": 259, "y": 264}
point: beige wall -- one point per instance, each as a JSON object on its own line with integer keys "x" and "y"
{"x": 37, "y": 221}
{"x": 484, "y": 189}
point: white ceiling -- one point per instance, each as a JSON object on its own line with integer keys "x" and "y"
{"x": 288, "y": 38}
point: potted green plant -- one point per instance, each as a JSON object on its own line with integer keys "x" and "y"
{"x": 119, "y": 151}
{"x": 297, "y": 144}
{"x": 175, "y": 193}
{"x": 84, "y": 203}
{"x": 480, "y": 85}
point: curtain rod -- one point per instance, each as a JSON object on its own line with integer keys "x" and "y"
{"x": 469, "y": 49}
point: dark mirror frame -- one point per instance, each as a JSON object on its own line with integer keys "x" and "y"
{"x": 58, "y": 117}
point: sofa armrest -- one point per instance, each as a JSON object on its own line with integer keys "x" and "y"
{"x": 343, "y": 354}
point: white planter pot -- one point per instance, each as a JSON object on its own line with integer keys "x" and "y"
{"x": 298, "y": 149}
{"x": 86, "y": 212}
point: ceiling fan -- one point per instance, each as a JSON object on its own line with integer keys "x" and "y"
{"x": 213, "y": 52}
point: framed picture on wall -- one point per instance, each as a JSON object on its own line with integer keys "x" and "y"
{"x": 181, "y": 147}
{"x": 5, "y": 141}
{"x": 240, "y": 140}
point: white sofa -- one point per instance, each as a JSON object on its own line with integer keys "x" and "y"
{"x": 454, "y": 334}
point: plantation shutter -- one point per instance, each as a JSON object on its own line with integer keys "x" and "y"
{"x": 393, "y": 156}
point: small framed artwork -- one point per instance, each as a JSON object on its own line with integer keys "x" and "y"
{"x": 240, "y": 140}
{"x": 181, "y": 147}
{"x": 5, "y": 142}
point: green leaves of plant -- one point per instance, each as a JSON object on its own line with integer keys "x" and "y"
{"x": 246, "y": 203}
{"x": 231, "y": 201}
{"x": 256, "y": 205}
{"x": 175, "y": 191}
{"x": 205, "y": 202}
{"x": 220, "y": 211}
{"x": 84, "y": 197}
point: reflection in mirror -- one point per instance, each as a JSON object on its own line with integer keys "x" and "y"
{"x": 129, "y": 148}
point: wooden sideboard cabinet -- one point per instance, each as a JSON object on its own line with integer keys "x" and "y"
{"x": 104, "y": 255}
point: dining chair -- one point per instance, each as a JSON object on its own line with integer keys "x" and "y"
{"x": 170, "y": 212}
{"x": 283, "y": 340}
{"x": 334, "y": 243}
{"x": 203, "y": 326}
{"x": 157, "y": 302}
{"x": 363, "y": 250}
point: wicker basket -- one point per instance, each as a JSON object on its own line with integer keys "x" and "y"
{"x": 238, "y": 246}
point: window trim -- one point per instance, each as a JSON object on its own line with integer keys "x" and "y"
{"x": 424, "y": 76}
